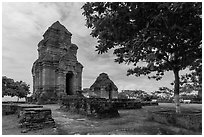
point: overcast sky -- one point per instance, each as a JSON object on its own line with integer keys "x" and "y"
{"x": 23, "y": 25}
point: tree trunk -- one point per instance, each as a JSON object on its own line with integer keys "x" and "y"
{"x": 176, "y": 91}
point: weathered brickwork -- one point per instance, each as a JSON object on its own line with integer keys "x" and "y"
{"x": 56, "y": 72}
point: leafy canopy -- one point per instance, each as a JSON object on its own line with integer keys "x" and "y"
{"x": 193, "y": 81}
{"x": 14, "y": 88}
{"x": 166, "y": 36}
{"x": 139, "y": 94}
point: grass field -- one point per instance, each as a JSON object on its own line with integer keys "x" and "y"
{"x": 130, "y": 122}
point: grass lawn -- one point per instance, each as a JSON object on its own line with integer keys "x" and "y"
{"x": 130, "y": 122}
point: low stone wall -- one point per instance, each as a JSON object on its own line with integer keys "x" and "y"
{"x": 36, "y": 118}
{"x": 95, "y": 107}
{"x": 188, "y": 120}
{"x": 196, "y": 102}
{"x": 126, "y": 104}
{"x": 14, "y": 102}
{"x": 14, "y": 108}
{"x": 9, "y": 109}
{"x": 149, "y": 103}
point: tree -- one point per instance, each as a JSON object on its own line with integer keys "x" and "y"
{"x": 14, "y": 88}
{"x": 193, "y": 81}
{"x": 136, "y": 94}
{"x": 22, "y": 89}
{"x": 166, "y": 90}
{"x": 165, "y": 36}
{"x": 163, "y": 93}
{"x": 8, "y": 87}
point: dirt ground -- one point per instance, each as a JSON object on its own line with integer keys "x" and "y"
{"x": 130, "y": 122}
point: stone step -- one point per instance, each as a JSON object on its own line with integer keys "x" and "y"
{"x": 22, "y": 107}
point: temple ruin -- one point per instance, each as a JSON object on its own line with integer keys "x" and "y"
{"x": 56, "y": 71}
{"x": 103, "y": 87}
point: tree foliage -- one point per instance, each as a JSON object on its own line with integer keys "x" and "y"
{"x": 166, "y": 36}
{"x": 14, "y": 88}
{"x": 8, "y": 86}
{"x": 139, "y": 94}
{"x": 193, "y": 80}
{"x": 163, "y": 93}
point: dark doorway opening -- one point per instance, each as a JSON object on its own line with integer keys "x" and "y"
{"x": 69, "y": 83}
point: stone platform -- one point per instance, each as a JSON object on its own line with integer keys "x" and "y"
{"x": 30, "y": 116}
{"x": 36, "y": 118}
{"x": 22, "y": 107}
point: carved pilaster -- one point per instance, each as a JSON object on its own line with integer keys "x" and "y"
{"x": 60, "y": 80}
{"x": 34, "y": 79}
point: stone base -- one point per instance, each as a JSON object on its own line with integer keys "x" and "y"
{"x": 36, "y": 118}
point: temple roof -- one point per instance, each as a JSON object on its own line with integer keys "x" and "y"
{"x": 57, "y": 25}
{"x": 104, "y": 81}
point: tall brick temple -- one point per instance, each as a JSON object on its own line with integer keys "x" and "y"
{"x": 56, "y": 71}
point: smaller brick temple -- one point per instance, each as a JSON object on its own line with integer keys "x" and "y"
{"x": 56, "y": 71}
{"x": 103, "y": 87}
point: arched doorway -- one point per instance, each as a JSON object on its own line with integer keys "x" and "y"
{"x": 69, "y": 83}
